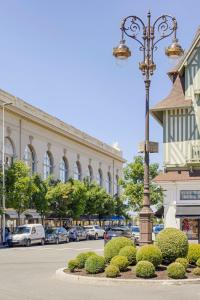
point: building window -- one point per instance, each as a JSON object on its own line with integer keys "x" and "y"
{"x": 100, "y": 178}
{"x": 48, "y": 164}
{"x": 29, "y": 158}
{"x": 63, "y": 170}
{"x": 109, "y": 183}
{"x": 190, "y": 195}
{"x": 9, "y": 151}
{"x": 116, "y": 192}
{"x": 90, "y": 173}
{"x": 77, "y": 171}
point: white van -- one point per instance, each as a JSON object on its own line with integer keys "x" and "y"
{"x": 27, "y": 235}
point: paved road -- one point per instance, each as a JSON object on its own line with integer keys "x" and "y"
{"x": 29, "y": 274}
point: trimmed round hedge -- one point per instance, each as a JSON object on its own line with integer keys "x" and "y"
{"x": 193, "y": 253}
{"x": 145, "y": 269}
{"x": 95, "y": 264}
{"x": 130, "y": 253}
{"x": 183, "y": 261}
{"x": 113, "y": 247}
{"x": 196, "y": 271}
{"x": 120, "y": 261}
{"x": 112, "y": 271}
{"x": 176, "y": 271}
{"x": 150, "y": 253}
{"x": 73, "y": 264}
{"x": 173, "y": 243}
{"x": 82, "y": 257}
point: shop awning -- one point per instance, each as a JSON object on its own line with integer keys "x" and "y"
{"x": 32, "y": 214}
{"x": 12, "y": 214}
{"x": 188, "y": 211}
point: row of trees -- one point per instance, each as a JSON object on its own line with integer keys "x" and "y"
{"x": 64, "y": 200}
{"x": 77, "y": 198}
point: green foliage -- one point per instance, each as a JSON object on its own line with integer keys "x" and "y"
{"x": 133, "y": 184}
{"x": 113, "y": 247}
{"x": 193, "y": 253}
{"x": 73, "y": 264}
{"x": 120, "y": 261}
{"x": 77, "y": 198}
{"x": 82, "y": 257}
{"x": 145, "y": 269}
{"x": 176, "y": 271}
{"x": 198, "y": 262}
{"x": 19, "y": 186}
{"x": 112, "y": 271}
{"x": 130, "y": 253}
{"x": 149, "y": 253}
{"x": 196, "y": 271}
{"x": 173, "y": 243}
{"x": 183, "y": 261}
{"x": 39, "y": 200}
{"x": 95, "y": 264}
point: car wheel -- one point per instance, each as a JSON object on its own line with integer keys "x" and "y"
{"x": 96, "y": 236}
{"x": 42, "y": 242}
{"x": 57, "y": 241}
{"x": 28, "y": 243}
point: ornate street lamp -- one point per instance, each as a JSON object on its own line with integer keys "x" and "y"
{"x": 148, "y": 37}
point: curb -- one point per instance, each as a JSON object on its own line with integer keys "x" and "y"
{"x": 61, "y": 275}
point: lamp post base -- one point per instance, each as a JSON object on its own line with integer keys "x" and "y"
{"x": 146, "y": 225}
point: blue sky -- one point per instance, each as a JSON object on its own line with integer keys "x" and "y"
{"x": 57, "y": 55}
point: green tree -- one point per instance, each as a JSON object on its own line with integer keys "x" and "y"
{"x": 104, "y": 205}
{"x": 39, "y": 200}
{"x": 59, "y": 199}
{"x": 19, "y": 187}
{"x": 133, "y": 184}
{"x": 120, "y": 207}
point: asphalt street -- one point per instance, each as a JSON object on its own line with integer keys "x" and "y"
{"x": 29, "y": 273}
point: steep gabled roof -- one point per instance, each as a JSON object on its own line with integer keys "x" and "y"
{"x": 176, "y": 99}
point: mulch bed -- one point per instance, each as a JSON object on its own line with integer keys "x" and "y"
{"x": 161, "y": 273}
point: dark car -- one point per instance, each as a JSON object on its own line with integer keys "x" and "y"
{"x": 78, "y": 233}
{"x": 56, "y": 235}
{"x": 114, "y": 232}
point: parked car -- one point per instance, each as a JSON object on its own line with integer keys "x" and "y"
{"x": 27, "y": 235}
{"x": 136, "y": 232}
{"x": 77, "y": 233}
{"x": 95, "y": 231}
{"x": 158, "y": 228}
{"x": 114, "y": 232}
{"x": 56, "y": 235}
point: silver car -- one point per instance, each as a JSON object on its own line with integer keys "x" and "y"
{"x": 95, "y": 231}
{"x": 56, "y": 235}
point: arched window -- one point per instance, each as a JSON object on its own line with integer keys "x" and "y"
{"x": 117, "y": 192}
{"x": 29, "y": 158}
{"x": 100, "y": 178}
{"x": 63, "y": 170}
{"x": 109, "y": 183}
{"x": 9, "y": 151}
{"x": 77, "y": 171}
{"x": 90, "y": 174}
{"x": 48, "y": 164}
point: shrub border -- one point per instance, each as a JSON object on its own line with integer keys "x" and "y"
{"x": 61, "y": 275}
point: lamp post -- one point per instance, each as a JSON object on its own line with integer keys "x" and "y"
{"x": 147, "y": 35}
{"x": 3, "y": 173}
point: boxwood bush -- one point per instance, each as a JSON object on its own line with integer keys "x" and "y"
{"x": 130, "y": 253}
{"x": 198, "y": 262}
{"x": 176, "y": 271}
{"x": 196, "y": 271}
{"x": 193, "y": 253}
{"x": 145, "y": 269}
{"x": 113, "y": 247}
{"x": 82, "y": 257}
{"x": 173, "y": 243}
{"x": 112, "y": 271}
{"x": 95, "y": 264}
{"x": 183, "y": 261}
{"x": 120, "y": 261}
{"x": 73, "y": 264}
{"x": 150, "y": 253}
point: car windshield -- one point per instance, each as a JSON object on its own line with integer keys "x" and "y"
{"x": 51, "y": 230}
{"x": 88, "y": 227}
{"x": 21, "y": 230}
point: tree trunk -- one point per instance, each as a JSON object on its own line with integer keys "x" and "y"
{"x": 18, "y": 218}
{"x": 60, "y": 222}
